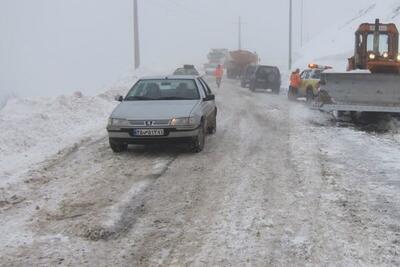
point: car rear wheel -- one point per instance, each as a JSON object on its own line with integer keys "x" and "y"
{"x": 199, "y": 141}
{"x": 117, "y": 146}
{"x": 213, "y": 128}
{"x": 276, "y": 91}
{"x": 252, "y": 87}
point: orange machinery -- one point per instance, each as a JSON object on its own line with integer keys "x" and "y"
{"x": 376, "y": 48}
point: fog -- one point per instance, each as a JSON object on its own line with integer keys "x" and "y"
{"x": 52, "y": 47}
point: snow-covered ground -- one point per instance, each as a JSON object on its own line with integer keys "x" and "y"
{"x": 278, "y": 184}
{"x": 35, "y": 129}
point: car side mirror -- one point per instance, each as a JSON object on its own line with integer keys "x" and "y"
{"x": 209, "y": 98}
{"x": 119, "y": 98}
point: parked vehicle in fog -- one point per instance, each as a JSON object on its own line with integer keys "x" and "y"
{"x": 262, "y": 77}
{"x": 186, "y": 70}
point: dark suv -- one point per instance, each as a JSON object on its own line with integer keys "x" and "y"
{"x": 262, "y": 77}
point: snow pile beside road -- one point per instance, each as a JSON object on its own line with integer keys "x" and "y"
{"x": 336, "y": 44}
{"x": 33, "y": 130}
{"x": 4, "y": 96}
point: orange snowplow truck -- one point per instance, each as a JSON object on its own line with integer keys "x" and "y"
{"x": 376, "y": 48}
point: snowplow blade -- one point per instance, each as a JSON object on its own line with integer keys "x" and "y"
{"x": 362, "y": 92}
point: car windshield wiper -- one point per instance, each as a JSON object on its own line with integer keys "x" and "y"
{"x": 132, "y": 98}
{"x": 175, "y": 98}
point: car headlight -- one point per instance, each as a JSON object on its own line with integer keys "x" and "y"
{"x": 385, "y": 55}
{"x": 118, "y": 122}
{"x": 372, "y": 56}
{"x": 183, "y": 121}
{"x": 398, "y": 57}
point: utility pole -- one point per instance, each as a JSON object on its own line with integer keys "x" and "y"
{"x": 240, "y": 33}
{"x": 136, "y": 34}
{"x": 290, "y": 33}
{"x": 301, "y": 23}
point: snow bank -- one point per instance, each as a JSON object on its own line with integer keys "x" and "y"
{"x": 336, "y": 43}
{"x": 33, "y": 130}
{"x": 4, "y": 96}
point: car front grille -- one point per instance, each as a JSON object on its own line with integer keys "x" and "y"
{"x": 149, "y": 123}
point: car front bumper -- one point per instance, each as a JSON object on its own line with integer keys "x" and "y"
{"x": 125, "y": 135}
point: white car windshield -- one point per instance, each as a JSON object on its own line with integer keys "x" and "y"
{"x": 163, "y": 90}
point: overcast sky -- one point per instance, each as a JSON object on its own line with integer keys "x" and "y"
{"x": 49, "y": 47}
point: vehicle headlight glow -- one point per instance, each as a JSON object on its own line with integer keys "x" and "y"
{"x": 372, "y": 56}
{"x": 119, "y": 122}
{"x": 398, "y": 57}
{"x": 183, "y": 121}
{"x": 385, "y": 55}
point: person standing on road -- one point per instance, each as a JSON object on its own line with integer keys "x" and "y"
{"x": 219, "y": 72}
{"x": 295, "y": 81}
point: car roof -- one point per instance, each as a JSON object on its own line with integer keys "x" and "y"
{"x": 171, "y": 77}
{"x": 314, "y": 69}
{"x": 266, "y": 66}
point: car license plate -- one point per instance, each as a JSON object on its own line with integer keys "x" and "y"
{"x": 148, "y": 132}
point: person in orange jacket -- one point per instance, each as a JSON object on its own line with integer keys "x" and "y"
{"x": 219, "y": 72}
{"x": 295, "y": 82}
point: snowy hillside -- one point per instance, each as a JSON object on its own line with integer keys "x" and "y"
{"x": 336, "y": 44}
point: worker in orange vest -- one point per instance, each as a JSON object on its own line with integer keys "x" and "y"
{"x": 295, "y": 82}
{"x": 219, "y": 72}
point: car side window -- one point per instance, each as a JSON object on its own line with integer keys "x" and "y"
{"x": 203, "y": 88}
{"x": 305, "y": 75}
{"x": 316, "y": 75}
{"x": 250, "y": 70}
{"x": 205, "y": 85}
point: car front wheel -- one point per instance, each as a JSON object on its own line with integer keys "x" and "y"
{"x": 117, "y": 146}
{"x": 199, "y": 141}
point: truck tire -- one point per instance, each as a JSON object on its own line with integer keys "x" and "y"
{"x": 198, "y": 142}
{"x": 117, "y": 146}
